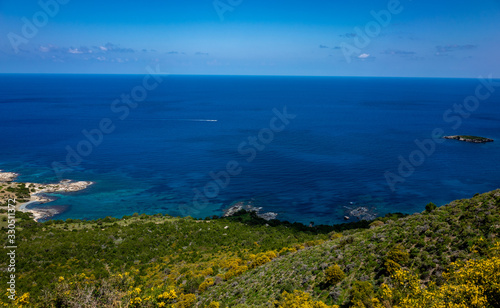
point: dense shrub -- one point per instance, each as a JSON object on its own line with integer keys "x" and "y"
{"x": 398, "y": 254}
{"x": 430, "y": 207}
{"x": 335, "y": 235}
{"x": 362, "y": 294}
{"x": 376, "y": 223}
{"x": 475, "y": 283}
{"x": 334, "y": 275}
{"x": 299, "y": 299}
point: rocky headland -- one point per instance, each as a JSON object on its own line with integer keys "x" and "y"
{"x": 35, "y": 193}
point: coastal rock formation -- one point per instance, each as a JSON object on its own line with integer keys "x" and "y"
{"x": 38, "y": 195}
{"x": 249, "y": 207}
{"x": 8, "y": 176}
{"x": 63, "y": 186}
{"x": 360, "y": 212}
{"x": 472, "y": 139}
{"x": 28, "y": 193}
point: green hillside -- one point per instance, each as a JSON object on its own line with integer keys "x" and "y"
{"x": 443, "y": 257}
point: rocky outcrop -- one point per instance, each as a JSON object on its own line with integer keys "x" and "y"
{"x": 360, "y": 212}
{"x": 8, "y": 176}
{"x": 63, "y": 186}
{"x": 249, "y": 207}
{"x": 472, "y": 139}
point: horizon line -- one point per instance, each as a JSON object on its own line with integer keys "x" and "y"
{"x": 249, "y": 75}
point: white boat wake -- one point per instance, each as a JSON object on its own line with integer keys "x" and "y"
{"x": 186, "y": 120}
{"x": 199, "y": 120}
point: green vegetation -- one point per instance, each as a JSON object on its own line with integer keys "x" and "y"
{"x": 463, "y": 230}
{"x": 8, "y": 193}
{"x": 334, "y": 274}
{"x": 362, "y": 294}
{"x": 17, "y": 191}
{"x": 445, "y": 257}
{"x": 430, "y": 207}
{"x": 184, "y": 254}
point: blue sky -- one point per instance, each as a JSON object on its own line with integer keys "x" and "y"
{"x": 418, "y": 38}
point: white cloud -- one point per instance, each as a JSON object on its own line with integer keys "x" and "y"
{"x": 363, "y": 56}
{"x": 74, "y": 50}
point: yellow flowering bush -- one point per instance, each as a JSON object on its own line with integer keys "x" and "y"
{"x": 334, "y": 274}
{"x": 475, "y": 283}
{"x": 314, "y": 243}
{"x": 299, "y": 299}
{"x": 395, "y": 257}
{"x": 335, "y": 235}
{"x": 207, "y": 272}
{"x": 167, "y": 295}
{"x": 185, "y": 301}
{"x": 135, "y": 302}
{"x": 235, "y": 272}
{"x": 285, "y": 250}
{"x": 262, "y": 258}
{"x": 398, "y": 254}
{"x": 23, "y": 300}
{"x": 205, "y": 284}
{"x": 231, "y": 263}
{"x": 391, "y": 266}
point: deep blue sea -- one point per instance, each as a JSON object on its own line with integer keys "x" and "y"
{"x": 345, "y": 135}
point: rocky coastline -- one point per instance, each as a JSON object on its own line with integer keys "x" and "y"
{"x": 249, "y": 207}
{"x": 7, "y": 176}
{"x": 38, "y": 193}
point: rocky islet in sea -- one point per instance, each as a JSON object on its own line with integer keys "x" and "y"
{"x": 471, "y": 139}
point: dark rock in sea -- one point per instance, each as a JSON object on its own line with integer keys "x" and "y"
{"x": 472, "y": 139}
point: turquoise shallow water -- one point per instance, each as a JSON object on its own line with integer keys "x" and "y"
{"x": 347, "y": 133}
